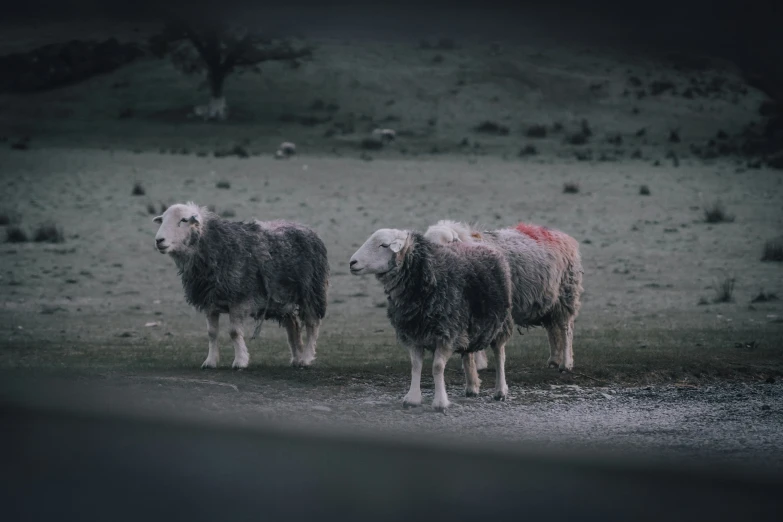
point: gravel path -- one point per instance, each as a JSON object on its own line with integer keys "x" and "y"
{"x": 735, "y": 422}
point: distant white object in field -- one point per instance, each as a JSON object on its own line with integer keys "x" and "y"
{"x": 216, "y": 109}
{"x": 385, "y": 134}
{"x": 287, "y": 148}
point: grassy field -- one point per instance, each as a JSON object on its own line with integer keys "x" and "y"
{"x": 654, "y": 309}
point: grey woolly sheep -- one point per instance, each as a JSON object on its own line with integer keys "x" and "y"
{"x": 274, "y": 269}
{"x": 546, "y": 276}
{"x": 443, "y": 299}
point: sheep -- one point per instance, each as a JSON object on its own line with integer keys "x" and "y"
{"x": 384, "y": 135}
{"x": 273, "y": 269}
{"x": 445, "y": 232}
{"x": 546, "y": 275}
{"x": 442, "y": 299}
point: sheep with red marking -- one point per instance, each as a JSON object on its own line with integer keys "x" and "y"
{"x": 546, "y": 278}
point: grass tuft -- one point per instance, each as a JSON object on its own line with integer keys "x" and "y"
{"x": 716, "y": 213}
{"x": 724, "y": 291}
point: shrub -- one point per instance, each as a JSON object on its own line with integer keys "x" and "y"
{"x": 15, "y": 235}
{"x": 491, "y": 127}
{"x": 223, "y": 184}
{"x": 644, "y": 190}
{"x": 764, "y": 297}
{"x": 570, "y": 187}
{"x": 48, "y": 233}
{"x": 716, "y": 213}
{"x": 528, "y": 150}
{"x": 536, "y": 131}
{"x": 138, "y": 189}
{"x": 773, "y": 251}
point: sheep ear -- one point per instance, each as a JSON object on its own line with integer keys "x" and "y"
{"x": 396, "y": 245}
{"x": 193, "y": 220}
{"x": 158, "y": 220}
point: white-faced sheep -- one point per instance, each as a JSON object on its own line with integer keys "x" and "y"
{"x": 546, "y": 277}
{"x": 441, "y": 299}
{"x": 276, "y": 270}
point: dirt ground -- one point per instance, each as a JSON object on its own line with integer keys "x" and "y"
{"x": 655, "y": 369}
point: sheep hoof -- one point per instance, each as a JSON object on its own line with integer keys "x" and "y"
{"x": 239, "y": 365}
{"x": 209, "y": 365}
{"x": 440, "y": 406}
{"x": 411, "y": 402}
{"x": 500, "y": 395}
{"x": 471, "y": 393}
{"x": 552, "y": 363}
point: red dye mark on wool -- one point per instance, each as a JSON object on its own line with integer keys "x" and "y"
{"x": 537, "y": 232}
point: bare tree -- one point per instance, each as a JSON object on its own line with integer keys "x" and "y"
{"x": 216, "y": 49}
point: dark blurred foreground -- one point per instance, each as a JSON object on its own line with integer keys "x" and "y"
{"x": 70, "y": 457}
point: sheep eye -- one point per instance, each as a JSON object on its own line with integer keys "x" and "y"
{"x": 183, "y": 220}
{"x": 385, "y": 246}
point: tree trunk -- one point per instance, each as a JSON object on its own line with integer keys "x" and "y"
{"x": 216, "y": 108}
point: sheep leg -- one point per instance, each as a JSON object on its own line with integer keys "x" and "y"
{"x": 472, "y": 381}
{"x": 556, "y": 340}
{"x": 213, "y": 320}
{"x": 311, "y": 333}
{"x": 237, "y": 333}
{"x": 568, "y": 347}
{"x": 501, "y": 389}
{"x": 413, "y": 398}
{"x": 294, "y": 332}
{"x": 442, "y": 353}
{"x": 481, "y": 360}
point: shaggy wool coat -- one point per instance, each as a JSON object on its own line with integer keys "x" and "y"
{"x": 459, "y": 295}
{"x": 279, "y": 267}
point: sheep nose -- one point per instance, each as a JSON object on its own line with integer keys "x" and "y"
{"x": 159, "y": 240}
{"x": 353, "y": 262}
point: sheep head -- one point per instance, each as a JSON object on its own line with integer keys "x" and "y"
{"x": 447, "y": 231}
{"x": 381, "y": 252}
{"x": 177, "y": 225}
